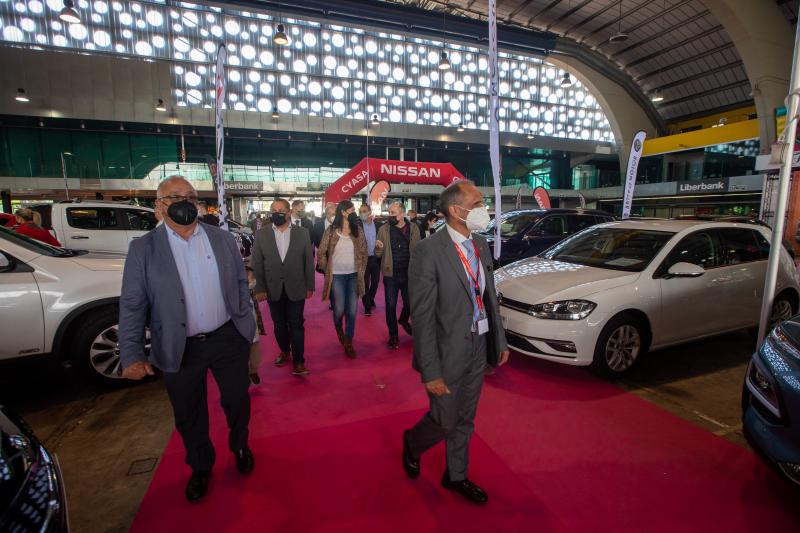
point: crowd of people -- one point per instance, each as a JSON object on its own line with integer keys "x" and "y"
{"x": 186, "y": 282}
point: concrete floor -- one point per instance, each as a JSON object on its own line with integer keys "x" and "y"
{"x": 109, "y": 441}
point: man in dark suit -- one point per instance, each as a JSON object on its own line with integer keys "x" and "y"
{"x": 457, "y": 330}
{"x": 283, "y": 264}
{"x": 372, "y": 276}
{"x": 299, "y": 216}
{"x": 186, "y": 281}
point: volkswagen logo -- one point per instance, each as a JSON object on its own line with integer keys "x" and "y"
{"x": 637, "y": 145}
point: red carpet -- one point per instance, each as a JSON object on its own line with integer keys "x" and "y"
{"x": 555, "y": 448}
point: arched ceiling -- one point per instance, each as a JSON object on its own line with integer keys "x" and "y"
{"x": 676, "y": 47}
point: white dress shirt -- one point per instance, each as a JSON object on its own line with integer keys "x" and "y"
{"x": 282, "y": 239}
{"x": 296, "y": 221}
{"x": 202, "y": 288}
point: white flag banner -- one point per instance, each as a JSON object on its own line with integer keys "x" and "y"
{"x": 630, "y": 175}
{"x": 582, "y": 201}
{"x": 222, "y": 54}
{"x": 494, "y": 126}
{"x": 518, "y": 201}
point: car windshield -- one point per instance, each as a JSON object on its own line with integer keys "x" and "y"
{"x": 626, "y": 249}
{"x": 512, "y": 224}
{"x": 34, "y": 245}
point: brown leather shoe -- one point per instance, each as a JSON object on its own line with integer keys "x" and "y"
{"x": 299, "y": 370}
{"x": 282, "y": 359}
{"x": 349, "y": 351}
{"x": 340, "y": 334}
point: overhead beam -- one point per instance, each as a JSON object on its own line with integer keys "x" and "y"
{"x": 661, "y": 33}
{"x": 617, "y": 20}
{"x": 675, "y": 46}
{"x": 568, "y": 14}
{"x": 701, "y": 75}
{"x": 686, "y": 61}
{"x": 709, "y": 92}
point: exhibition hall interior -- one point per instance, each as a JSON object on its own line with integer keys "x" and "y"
{"x": 399, "y": 265}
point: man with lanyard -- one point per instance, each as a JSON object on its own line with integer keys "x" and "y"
{"x": 456, "y": 333}
{"x": 394, "y": 245}
{"x": 373, "y": 274}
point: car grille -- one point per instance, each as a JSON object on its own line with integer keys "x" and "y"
{"x": 39, "y": 504}
{"x": 516, "y": 305}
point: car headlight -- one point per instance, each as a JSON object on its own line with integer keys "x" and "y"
{"x": 783, "y": 343}
{"x": 565, "y": 310}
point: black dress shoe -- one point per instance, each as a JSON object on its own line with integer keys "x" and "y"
{"x": 394, "y": 343}
{"x": 245, "y": 462}
{"x": 406, "y": 326}
{"x": 466, "y": 488}
{"x": 410, "y": 463}
{"x": 198, "y": 485}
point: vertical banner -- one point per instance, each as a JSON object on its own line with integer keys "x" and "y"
{"x": 222, "y": 54}
{"x": 542, "y": 197}
{"x": 494, "y": 126}
{"x": 518, "y": 201}
{"x": 630, "y": 175}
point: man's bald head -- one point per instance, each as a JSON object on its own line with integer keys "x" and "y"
{"x": 172, "y": 183}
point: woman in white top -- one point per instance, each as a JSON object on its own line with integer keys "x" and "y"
{"x": 342, "y": 256}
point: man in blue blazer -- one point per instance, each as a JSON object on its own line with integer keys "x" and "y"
{"x": 185, "y": 280}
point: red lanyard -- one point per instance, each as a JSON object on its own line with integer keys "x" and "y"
{"x": 475, "y": 282}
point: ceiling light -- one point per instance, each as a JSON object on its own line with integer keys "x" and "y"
{"x": 21, "y": 96}
{"x": 160, "y": 105}
{"x": 375, "y": 120}
{"x": 619, "y": 37}
{"x": 566, "y": 81}
{"x": 69, "y": 14}
{"x": 657, "y": 97}
{"x": 275, "y": 113}
{"x": 280, "y": 38}
{"x": 444, "y": 62}
{"x": 460, "y": 126}
{"x": 530, "y": 134}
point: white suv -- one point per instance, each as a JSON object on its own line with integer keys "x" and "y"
{"x": 60, "y": 302}
{"x": 96, "y": 225}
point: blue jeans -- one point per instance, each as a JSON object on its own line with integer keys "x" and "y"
{"x": 391, "y": 287}
{"x": 344, "y": 292}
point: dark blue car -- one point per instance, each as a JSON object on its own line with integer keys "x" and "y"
{"x": 771, "y": 399}
{"x": 528, "y": 232}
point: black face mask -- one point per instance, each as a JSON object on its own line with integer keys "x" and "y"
{"x": 353, "y": 219}
{"x": 393, "y": 221}
{"x": 279, "y": 219}
{"x": 182, "y": 213}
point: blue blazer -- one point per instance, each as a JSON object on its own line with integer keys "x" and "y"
{"x": 152, "y": 296}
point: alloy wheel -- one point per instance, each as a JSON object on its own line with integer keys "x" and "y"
{"x": 622, "y": 348}
{"x": 104, "y": 352}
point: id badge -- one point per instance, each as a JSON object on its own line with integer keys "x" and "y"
{"x": 483, "y": 326}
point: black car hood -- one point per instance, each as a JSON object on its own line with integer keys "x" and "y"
{"x": 15, "y": 459}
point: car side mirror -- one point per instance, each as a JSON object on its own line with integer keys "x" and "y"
{"x": 685, "y": 270}
{"x": 6, "y": 264}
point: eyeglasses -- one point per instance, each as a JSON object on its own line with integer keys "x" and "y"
{"x": 178, "y": 198}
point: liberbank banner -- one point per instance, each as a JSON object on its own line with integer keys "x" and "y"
{"x": 712, "y": 186}
{"x": 371, "y": 169}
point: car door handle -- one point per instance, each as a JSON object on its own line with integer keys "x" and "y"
{"x": 76, "y": 237}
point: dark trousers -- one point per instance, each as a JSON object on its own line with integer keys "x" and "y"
{"x": 451, "y": 417}
{"x": 287, "y": 317}
{"x": 372, "y": 278}
{"x": 391, "y": 287}
{"x": 225, "y": 352}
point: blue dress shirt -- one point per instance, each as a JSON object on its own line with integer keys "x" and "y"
{"x": 202, "y": 289}
{"x": 371, "y": 234}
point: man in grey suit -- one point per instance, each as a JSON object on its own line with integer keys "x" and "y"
{"x": 283, "y": 263}
{"x": 185, "y": 280}
{"x": 457, "y": 331}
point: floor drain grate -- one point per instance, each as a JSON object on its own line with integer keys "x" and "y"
{"x": 142, "y": 466}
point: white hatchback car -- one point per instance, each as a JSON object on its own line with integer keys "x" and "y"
{"x": 606, "y": 295}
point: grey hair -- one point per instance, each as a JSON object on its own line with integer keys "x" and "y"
{"x": 169, "y": 180}
{"x": 401, "y": 206}
{"x": 453, "y": 194}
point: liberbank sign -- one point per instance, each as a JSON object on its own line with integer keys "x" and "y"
{"x": 714, "y": 186}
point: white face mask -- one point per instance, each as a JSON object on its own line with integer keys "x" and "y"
{"x": 477, "y": 219}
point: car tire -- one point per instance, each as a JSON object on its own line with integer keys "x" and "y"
{"x": 95, "y": 349}
{"x": 623, "y": 340}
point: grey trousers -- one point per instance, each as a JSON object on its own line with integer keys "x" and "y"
{"x": 451, "y": 417}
